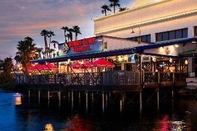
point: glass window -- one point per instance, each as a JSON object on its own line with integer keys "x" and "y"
{"x": 148, "y": 39}
{"x": 172, "y": 35}
{"x": 159, "y": 37}
{"x": 185, "y": 33}
{"x": 195, "y": 31}
{"x": 165, "y": 36}
{"x": 144, "y": 38}
{"x": 178, "y": 34}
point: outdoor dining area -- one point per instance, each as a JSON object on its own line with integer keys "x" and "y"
{"x": 80, "y": 72}
{"x": 105, "y": 71}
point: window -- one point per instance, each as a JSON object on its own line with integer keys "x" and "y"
{"x": 195, "y": 31}
{"x": 170, "y": 35}
{"x": 144, "y": 38}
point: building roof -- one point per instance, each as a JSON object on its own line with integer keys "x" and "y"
{"x": 137, "y": 49}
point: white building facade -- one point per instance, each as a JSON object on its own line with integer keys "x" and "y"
{"x": 157, "y": 22}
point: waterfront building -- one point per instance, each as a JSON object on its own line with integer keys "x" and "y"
{"x": 150, "y": 47}
{"x": 169, "y": 24}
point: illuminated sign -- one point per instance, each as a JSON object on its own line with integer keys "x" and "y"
{"x": 81, "y": 45}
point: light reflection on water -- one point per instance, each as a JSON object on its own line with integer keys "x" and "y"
{"x": 182, "y": 116}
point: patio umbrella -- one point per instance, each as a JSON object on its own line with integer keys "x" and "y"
{"x": 87, "y": 64}
{"x": 76, "y": 65}
{"x": 101, "y": 62}
{"x": 82, "y": 64}
{"x": 36, "y": 67}
{"x": 50, "y": 66}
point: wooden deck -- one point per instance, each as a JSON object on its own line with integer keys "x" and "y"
{"x": 114, "y": 81}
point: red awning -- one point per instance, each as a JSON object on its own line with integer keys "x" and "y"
{"x": 39, "y": 67}
{"x": 50, "y": 66}
{"x": 101, "y": 62}
{"x": 76, "y": 65}
{"x": 83, "y": 64}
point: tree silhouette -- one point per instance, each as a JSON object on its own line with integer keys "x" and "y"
{"x": 76, "y": 30}
{"x": 105, "y": 8}
{"x": 114, "y": 3}
{"x": 26, "y": 52}
{"x": 65, "y": 28}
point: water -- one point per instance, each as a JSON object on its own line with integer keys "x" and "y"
{"x": 179, "y": 115}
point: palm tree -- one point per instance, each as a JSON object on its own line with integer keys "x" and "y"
{"x": 7, "y": 65}
{"x": 50, "y": 34}
{"x": 76, "y": 30}
{"x": 26, "y": 52}
{"x": 114, "y": 3}
{"x": 65, "y": 28}
{"x": 105, "y": 8}
{"x": 70, "y": 34}
{"x": 44, "y": 33}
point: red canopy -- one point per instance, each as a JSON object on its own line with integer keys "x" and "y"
{"x": 101, "y": 62}
{"x": 76, "y": 65}
{"x": 87, "y": 64}
{"x": 50, "y": 66}
{"x": 82, "y": 64}
{"x": 39, "y": 67}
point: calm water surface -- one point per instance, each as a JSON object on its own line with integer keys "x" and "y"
{"x": 29, "y": 116}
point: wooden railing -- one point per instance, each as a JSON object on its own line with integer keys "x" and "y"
{"x": 95, "y": 79}
{"x": 111, "y": 78}
{"x": 161, "y": 77}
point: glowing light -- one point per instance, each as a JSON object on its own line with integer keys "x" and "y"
{"x": 48, "y": 127}
{"x": 154, "y": 59}
{"x": 18, "y": 100}
{"x": 186, "y": 62}
{"x": 170, "y": 60}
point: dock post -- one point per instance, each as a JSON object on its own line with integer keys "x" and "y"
{"x": 68, "y": 96}
{"x": 59, "y": 98}
{"x": 79, "y": 96}
{"x": 140, "y": 100}
{"x": 29, "y": 95}
{"x": 86, "y": 101}
{"x": 103, "y": 102}
{"x": 72, "y": 100}
{"x": 48, "y": 97}
{"x": 173, "y": 93}
{"x": 121, "y": 105}
{"x": 106, "y": 100}
{"x": 158, "y": 99}
{"x": 92, "y": 97}
{"x": 39, "y": 97}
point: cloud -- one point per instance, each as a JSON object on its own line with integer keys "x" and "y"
{"x": 21, "y": 18}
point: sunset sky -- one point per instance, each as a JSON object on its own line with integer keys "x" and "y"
{"x": 21, "y": 18}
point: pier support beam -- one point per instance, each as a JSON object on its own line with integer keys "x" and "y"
{"x": 72, "y": 100}
{"x": 48, "y": 97}
{"x": 106, "y": 100}
{"x": 92, "y": 97}
{"x": 86, "y": 101}
{"x": 29, "y": 94}
{"x": 158, "y": 99}
{"x": 140, "y": 94}
{"x": 39, "y": 97}
{"x": 172, "y": 93}
{"x": 79, "y": 96}
{"x": 59, "y": 98}
{"x": 103, "y": 102}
